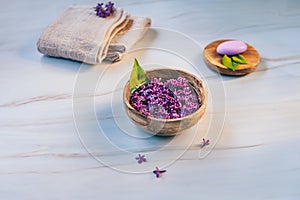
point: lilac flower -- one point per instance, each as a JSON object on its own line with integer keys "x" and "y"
{"x": 185, "y": 95}
{"x": 158, "y": 172}
{"x": 101, "y": 12}
{"x": 141, "y": 158}
{"x": 172, "y": 99}
{"x": 204, "y": 142}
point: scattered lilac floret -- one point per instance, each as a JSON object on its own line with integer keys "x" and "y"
{"x": 172, "y": 99}
{"x": 141, "y": 158}
{"x": 204, "y": 143}
{"x": 104, "y": 12}
{"x": 158, "y": 172}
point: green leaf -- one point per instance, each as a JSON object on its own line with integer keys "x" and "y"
{"x": 234, "y": 65}
{"x": 226, "y": 60}
{"x": 137, "y": 77}
{"x": 229, "y": 63}
{"x": 239, "y": 59}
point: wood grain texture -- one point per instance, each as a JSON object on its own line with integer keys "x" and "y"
{"x": 214, "y": 60}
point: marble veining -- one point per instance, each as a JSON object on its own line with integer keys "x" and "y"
{"x": 48, "y": 136}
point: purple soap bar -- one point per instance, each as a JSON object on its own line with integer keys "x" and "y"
{"x": 232, "y": 47}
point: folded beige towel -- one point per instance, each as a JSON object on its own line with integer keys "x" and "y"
{"x": 127, "y": 37}
{"x": 79, "y": 34}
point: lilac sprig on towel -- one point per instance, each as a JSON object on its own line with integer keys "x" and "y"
{"x": 172, "y": 99}
{"x": 104, "y": 12}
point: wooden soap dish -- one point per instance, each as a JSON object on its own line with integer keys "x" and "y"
{"x": 214, "y": 60}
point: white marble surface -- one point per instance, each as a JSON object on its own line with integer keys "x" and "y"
{"x": 255, "y": 156}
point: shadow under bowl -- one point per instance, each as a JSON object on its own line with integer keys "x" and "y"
{"x": 167, "y": 127}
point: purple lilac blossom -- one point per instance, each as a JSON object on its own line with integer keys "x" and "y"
{"x": 172, "y": 99}
{"x": 158, "y": 172}
{"x": 101, "y": 12}
{"x": 204, "y": 142}
{"x": 141, "y": 158}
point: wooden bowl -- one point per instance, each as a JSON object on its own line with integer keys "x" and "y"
{"x": 167, "y": 127}
{"x": 214, "y": 60}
